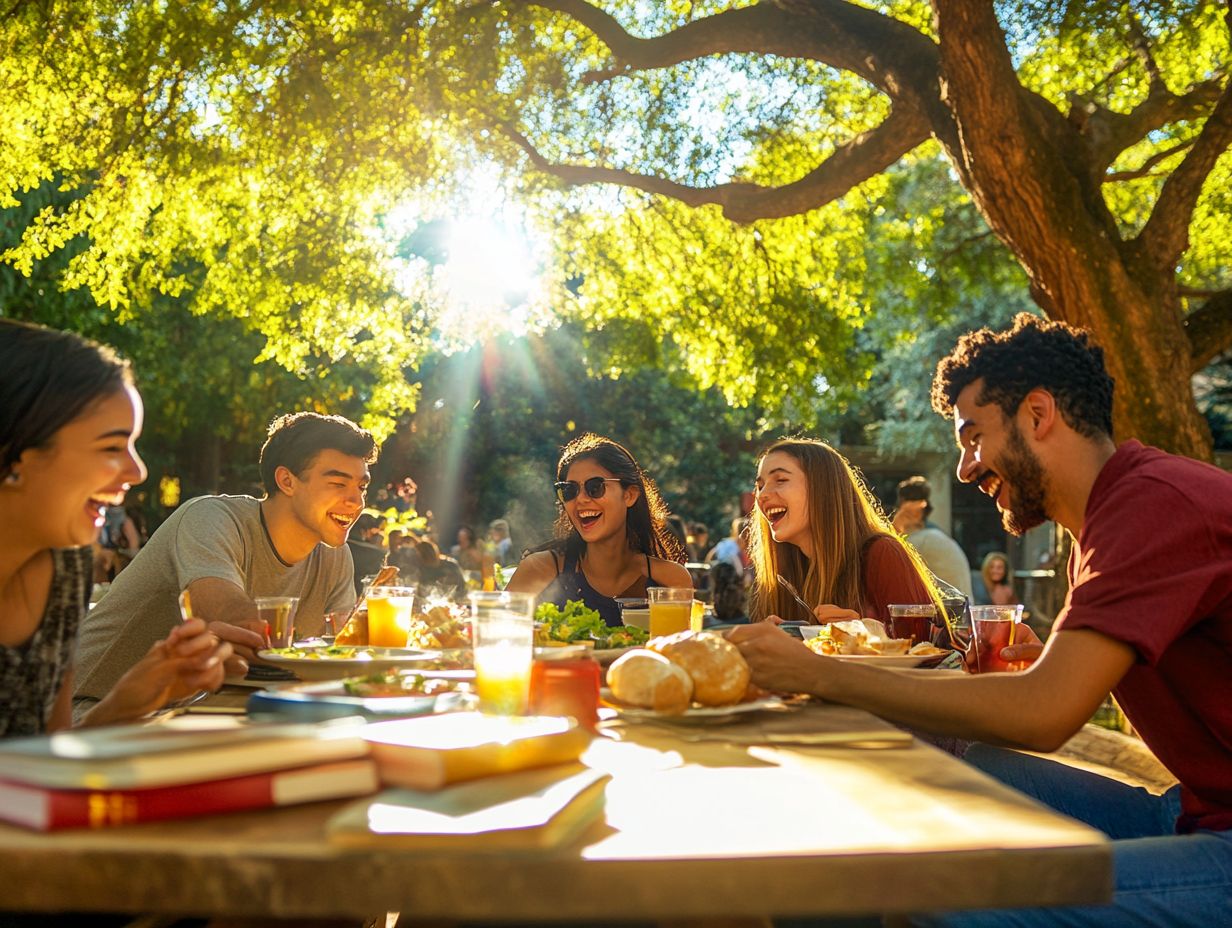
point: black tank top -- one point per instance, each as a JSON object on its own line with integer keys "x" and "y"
{"x": 570, "y": 583}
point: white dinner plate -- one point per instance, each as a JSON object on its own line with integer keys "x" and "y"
{"x": 891, "y": 660}
{"x": 358, "y": 660}
{"x": 695, "y": 715}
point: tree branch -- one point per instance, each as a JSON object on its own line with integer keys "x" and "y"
{"x": 1149, "y": 164}
{"x": 1109, "y": 133}
{"x": 1197, "y": 293}
{"x": 1165, "y": 236}
{"x": 864, "y": 156}
{"x": 1209, "y": 329}
{"x": 894, "y": 57}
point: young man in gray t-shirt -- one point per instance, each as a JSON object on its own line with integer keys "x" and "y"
{"x": 227, "y": 550}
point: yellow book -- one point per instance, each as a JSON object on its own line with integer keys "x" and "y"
{"x": 430, "y": 752}
{"x": 528, "y": 810}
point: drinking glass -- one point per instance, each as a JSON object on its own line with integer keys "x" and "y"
{"x": 389, "y": 615}
{"x": 671, "y": 609}
{"x": 912, "y": 620}
{"x": 994, "y": 628}
{"x": 503, "y": 632}
{"x": 278, "y": 615}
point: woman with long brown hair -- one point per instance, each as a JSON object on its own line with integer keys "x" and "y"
{"x": 816, "y": 525}
{"x": 70, "y": 417}
{"x": 611, "y": 535}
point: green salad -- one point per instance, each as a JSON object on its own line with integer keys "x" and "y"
{"x": 578, "y": 623}
{"x": 334, "y": 652}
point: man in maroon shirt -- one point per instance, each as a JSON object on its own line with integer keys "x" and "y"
{"x": 1148, "y": 617}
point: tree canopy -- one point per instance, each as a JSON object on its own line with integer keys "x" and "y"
{"x": 717, "y": 169}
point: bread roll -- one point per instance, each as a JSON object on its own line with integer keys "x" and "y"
{"x": 719, "y": 671}
{"x": 649, "y": 680}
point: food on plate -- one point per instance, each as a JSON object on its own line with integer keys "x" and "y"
{"x": 576, "y": 622}
{"x": 858, "y": 636}
{"x": 442, "y": 625}
{"x": 397, "y": 683}
{"x": 355, "y": 631}
{"x": 719, "y": 672}
{"x": 334, "y": 653}
{"x": 649, "y": 680}
{"x": 626, "y": 637}
{"x": 927, "y": 649}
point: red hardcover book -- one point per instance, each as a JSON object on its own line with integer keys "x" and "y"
{"x": 46, "y": 809}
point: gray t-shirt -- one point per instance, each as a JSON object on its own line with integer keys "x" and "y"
{"x": 944, "y": 558}
{"x": 211, "y": 536}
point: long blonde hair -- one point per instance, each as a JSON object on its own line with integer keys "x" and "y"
{"x": 986, "y": 571}
{"x": 844, "y": 519}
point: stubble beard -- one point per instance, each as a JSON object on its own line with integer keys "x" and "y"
{"x": 1022, "y": 470}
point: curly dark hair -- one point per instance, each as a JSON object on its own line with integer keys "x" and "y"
{"x": 1035, "y": 352}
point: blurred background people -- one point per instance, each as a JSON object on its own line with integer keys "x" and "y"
{"x": 439, "y": 576}
{"x": 732, "y": 549}
{"x": 502, "y": 543}
{"x": 939, "y": 551}
{"x": 998, "y": 582}
{"x": 698, "y": 542}
{"x": 367, "y": 551}
{"x": 729, "y": 598}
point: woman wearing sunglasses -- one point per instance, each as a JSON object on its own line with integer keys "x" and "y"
{"x": 817, "y": 526}
{"x": 69, "y": 421}
{"x": 611, "y": 538}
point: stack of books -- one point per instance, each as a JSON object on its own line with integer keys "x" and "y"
{"x": 463, "y": 779}
{"x": 96, "y": 777}
{"x": 472, "y": 782}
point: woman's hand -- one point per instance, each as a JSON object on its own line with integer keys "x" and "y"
{"x": 827, "y": 613}
{"x": 190, "y": 659}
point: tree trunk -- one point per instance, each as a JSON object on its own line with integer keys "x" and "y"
{"x": 1021, "y": 161}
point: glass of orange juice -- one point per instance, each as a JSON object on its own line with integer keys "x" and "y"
{"x": 671, "y": 609}
{"x": 389, "y": 615}
{"x": 503, "y": 631}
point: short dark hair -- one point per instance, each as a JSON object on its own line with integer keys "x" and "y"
{"x": 49, "y": 379}
{"x": 1035, "y": 352}
{"x": 916, "y": 488}
{"x": 295, "y": 440}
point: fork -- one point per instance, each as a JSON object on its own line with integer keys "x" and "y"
{"x": 795, "y": 594}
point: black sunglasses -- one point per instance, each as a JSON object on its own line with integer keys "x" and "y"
{"x": 595, "y": 487}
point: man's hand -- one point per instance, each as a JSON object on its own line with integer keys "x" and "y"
{"x": 190, "y": 659}
{"x": 244, "y": 641}
{"x": 1026, "y": 648}
{"x": 232, "y": 615}
{"x": 779, "y": 662}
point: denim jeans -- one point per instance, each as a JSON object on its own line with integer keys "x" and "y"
{"x": 1162, "y": 878}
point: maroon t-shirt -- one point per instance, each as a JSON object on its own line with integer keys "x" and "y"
{"x": 1153, "y": 567}
{"x": 889, "y": 577}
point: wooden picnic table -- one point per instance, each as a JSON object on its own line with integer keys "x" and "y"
{"x": 696, "y": 826}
